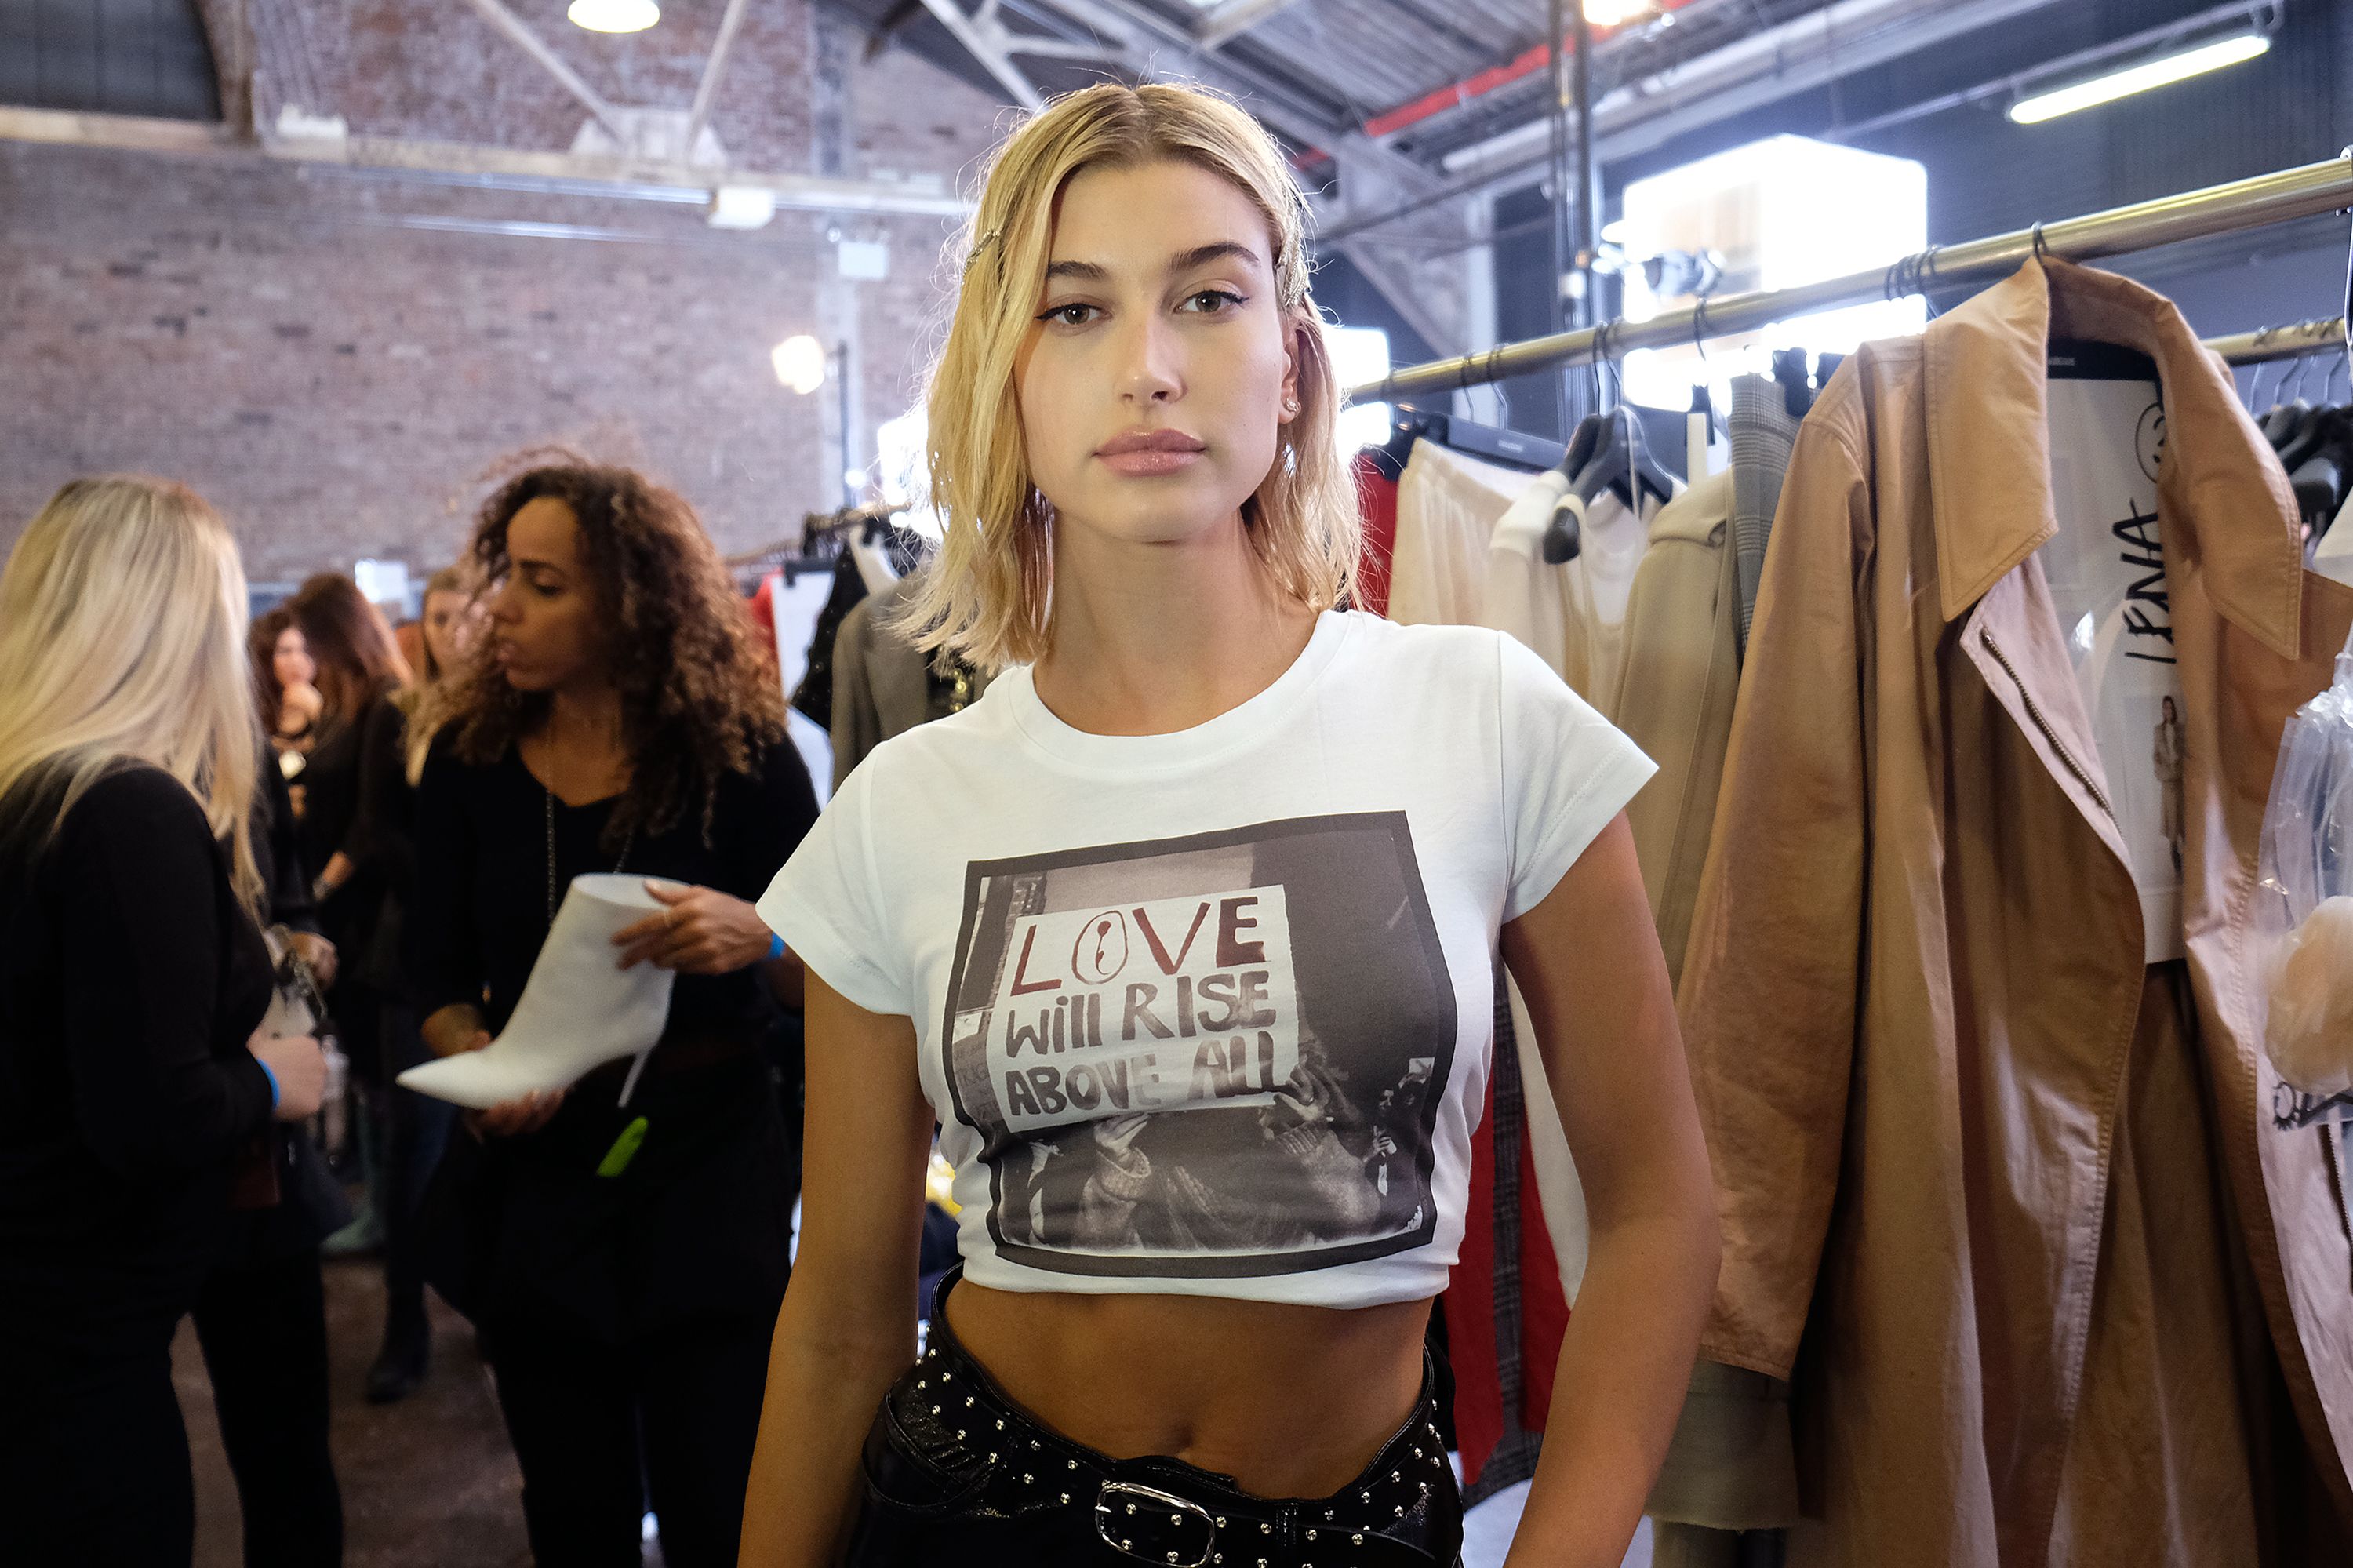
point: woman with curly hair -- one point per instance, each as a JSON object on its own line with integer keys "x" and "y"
{"x": 623, "y": 1264}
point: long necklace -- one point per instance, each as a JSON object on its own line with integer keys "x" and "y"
{"x": 628, "y": 841}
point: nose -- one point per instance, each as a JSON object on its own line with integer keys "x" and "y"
{"x": 1150, "y": 371}
{"x": 503, "y": 605}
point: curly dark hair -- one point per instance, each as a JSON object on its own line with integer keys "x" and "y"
{"x": 699, "y": 700}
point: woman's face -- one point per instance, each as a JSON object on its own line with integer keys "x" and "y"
{"x": 1153, "y": 383}
{"x": 450, "y": 627}
{"x": 544, "y": 628}
{"x": 289, "y": 659}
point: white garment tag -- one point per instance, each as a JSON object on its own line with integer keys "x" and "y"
{"x": 2106, "y": 571}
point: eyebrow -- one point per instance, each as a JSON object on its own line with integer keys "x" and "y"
{"x": 1183, "y": 262}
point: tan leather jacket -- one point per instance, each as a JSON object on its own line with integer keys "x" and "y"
{"x": 2020, "y": 1192}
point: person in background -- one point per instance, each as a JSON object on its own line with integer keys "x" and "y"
{"x": 261, "y": 1316}
{"x": 414, "y": 1127}
{"x": 408, "y": 635}
{"x": 623, "y": 1263}
{"x": 285, "y": 678}
{"x": 134, "y": 978}
{"x": 360, "y": 675}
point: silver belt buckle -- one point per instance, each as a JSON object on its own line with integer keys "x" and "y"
{"x": 1125, "y": 1510}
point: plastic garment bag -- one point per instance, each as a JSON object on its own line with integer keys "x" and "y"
{"x": 2304, "y": 913}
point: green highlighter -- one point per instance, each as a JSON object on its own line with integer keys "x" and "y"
{"x": 624, "y": 1149}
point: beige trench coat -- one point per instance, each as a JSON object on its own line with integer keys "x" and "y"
{"x": 2064, "y": 1294}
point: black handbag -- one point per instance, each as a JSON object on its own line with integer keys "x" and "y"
{"x": 458, "y": 1222}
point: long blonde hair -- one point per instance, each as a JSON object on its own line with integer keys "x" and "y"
{"x": 122, "y": 639}
{"x": 988, "y": 597}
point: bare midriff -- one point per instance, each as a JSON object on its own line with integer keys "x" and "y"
{"x": 1292, "y": 1402}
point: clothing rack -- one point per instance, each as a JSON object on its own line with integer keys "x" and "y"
{"x": 1489, "y": 442}
{"x": 818, "y": 545}
{"x": 2277, "y": 343}
{"x": 2280, "y": 197}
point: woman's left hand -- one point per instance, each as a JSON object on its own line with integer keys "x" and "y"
{"x": 701, "y": 932}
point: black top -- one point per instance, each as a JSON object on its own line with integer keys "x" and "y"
{"x": 131, "y": 978}
{"x": 384, "y": 830}
{"x": 698, "y": 1223}
{"x": 277, "y": 850}
{"x": 334, "y": 781}
{"x": 480, "y": 908}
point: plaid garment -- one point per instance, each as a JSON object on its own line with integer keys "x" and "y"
{"x": 1504, "y": 1310}
{"x": 1764, "y": 432}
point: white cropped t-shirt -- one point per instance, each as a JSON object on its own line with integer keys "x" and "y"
{"x": 1211, "y": 1012}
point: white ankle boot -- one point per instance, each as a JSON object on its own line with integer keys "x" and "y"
{"x": 578, "y": 1011}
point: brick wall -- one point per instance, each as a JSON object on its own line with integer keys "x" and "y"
{"x": 337, "y": 360}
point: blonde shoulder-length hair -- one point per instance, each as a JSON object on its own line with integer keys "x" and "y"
{"x": 987, "y": 598}
{"x": 122, "y": 616}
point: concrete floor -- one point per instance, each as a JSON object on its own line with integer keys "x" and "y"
{"x": 430, "y": 1480}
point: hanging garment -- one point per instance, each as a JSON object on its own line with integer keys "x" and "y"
{"x": 884, "y": 685}
{"x": 1599, "y": 583}
{"x": 814, "y": 694}
{"x": 1674, "y": 693}
{"x": 1376, "y": 504}
{"x": 1520, "y": 1261}
{"x": 1730, "y": 1467}
{"x": 1505, "y": 1308}
{"x": 2332, "y": 557}
{"x": 1959, "y": 1127}
{"x": 1763, "y": 433}
{"x": 1528, "y": 595}
{"x": 1447, "y": 508}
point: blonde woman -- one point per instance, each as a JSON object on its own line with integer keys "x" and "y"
{"x": 1186, "y": 936}
{"x": 132, "y": 981}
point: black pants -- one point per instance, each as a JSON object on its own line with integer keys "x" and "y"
{"x": 416, "y": 1132}
{"x": 593, "y": 1425}
{"x": 263, "y": 1326}
{"x": 954, "y": 1472}
{"x": 93, "y": 1459}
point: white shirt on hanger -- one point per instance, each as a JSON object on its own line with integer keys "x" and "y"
{"x": 1447, "y": 508}
{"x": 1528, "y": 597}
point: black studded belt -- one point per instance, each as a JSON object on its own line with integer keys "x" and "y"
{"x": 956, "y": 1473}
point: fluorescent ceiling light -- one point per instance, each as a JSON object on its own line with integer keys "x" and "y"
{"x": 2138, "y": 79}
{"x": 614, "y": 16}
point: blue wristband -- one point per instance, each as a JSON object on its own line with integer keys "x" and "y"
{"x": 273, "y": 1081}
{"x": 776, "y": 946}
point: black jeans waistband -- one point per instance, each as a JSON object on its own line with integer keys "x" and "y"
{"x": 952, "y": 1462}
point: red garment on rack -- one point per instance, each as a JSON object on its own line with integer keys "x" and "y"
{"x": 762, "y": 606}
{"x": 1377, "y": 496}
{"x": 1493, "y": 1374}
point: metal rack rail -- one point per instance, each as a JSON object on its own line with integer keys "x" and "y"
{"x": 2280, "y": 197}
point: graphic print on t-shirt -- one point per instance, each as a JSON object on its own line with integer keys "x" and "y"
{"x": 1210, "y": 1057}
{"x": 2105, "y": 570}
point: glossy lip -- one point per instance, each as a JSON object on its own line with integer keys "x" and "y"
{"x": 1143, "y": 452}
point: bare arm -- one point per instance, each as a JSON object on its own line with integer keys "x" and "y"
{"x": 847, "y": 1327}
{"x": 1588, "y": 962}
